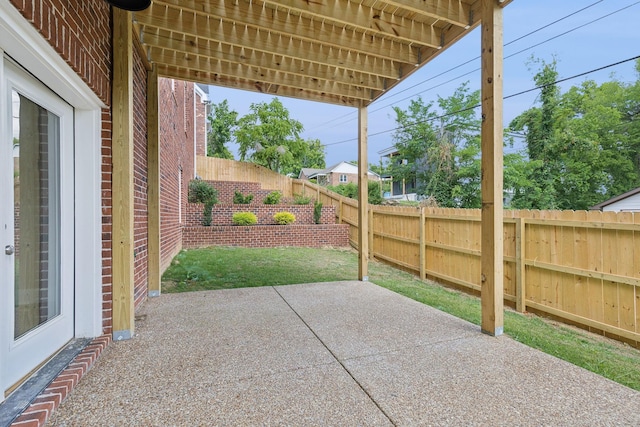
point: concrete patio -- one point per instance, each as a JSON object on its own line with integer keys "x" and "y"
{"x": 343, "y": 353}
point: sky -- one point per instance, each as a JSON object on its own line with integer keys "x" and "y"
{"x": 589, "y": 34}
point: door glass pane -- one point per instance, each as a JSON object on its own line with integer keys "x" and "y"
{"x": 36, "y": 134}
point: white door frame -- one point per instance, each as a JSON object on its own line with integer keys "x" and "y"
{"x": 22, "y": 42}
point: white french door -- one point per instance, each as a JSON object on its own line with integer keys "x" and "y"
{"x": 36, "y": 224}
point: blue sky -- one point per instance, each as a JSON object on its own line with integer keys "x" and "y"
{"x": 608, "y": 40}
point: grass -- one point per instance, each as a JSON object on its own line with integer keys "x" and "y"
{"x": 224, "y": 268}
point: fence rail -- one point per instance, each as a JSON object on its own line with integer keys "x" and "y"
{"x": 583, "y": 267}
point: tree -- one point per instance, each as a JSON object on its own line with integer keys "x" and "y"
{"x": 223, "y": 122}
{"x": 269, "y": 137}
{"x": 440, "y": 149}
{"x": 312, "y": 155}
{"x": 580, "y": 144}
{"x": 537, "y": 189}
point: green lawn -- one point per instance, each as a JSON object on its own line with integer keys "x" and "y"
{"x": 224, "y": 268}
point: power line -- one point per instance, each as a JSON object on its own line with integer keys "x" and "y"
{"x": 510, "y": 55}
{"x": 575, "y": 76}
{"x": 476, "y": 58}
{"x": 469, "y": 61}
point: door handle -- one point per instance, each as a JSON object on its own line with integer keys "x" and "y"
{"x": 9, "y": 249}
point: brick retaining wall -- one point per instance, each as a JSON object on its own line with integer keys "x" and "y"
{"x": 264, "y": 236}
{"x": 222, "y": 213}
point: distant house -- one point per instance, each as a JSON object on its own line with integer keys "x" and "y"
{"x": 340, "y": 173}
{"x": 405, "y": 188}
{"x": 627, "y": 202}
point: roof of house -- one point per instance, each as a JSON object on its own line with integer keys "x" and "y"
{"x": 341, "y": 167}
{"x": 613, "y": 200}
{"x": 308, "y": 172}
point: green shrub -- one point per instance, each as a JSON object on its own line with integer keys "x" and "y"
{"x": 284, "y": 218}
{"x": 351, "y": 190}
{"x": 273, "y": 198}
{"x": 206, "y": 215}
{"x": 317, "y": 212}
{"x": 202, "y": 192}
{"x": 348, "y": 190}
{"x": 239, "y": 199}
{"x": 299, "y": 199}
{"x": 244, "y": 218}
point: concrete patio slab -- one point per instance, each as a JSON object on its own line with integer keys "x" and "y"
{"x": 343, "y": 353}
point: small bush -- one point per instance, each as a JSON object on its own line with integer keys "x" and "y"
{"x": 239, "y": 199}
{"x": 206, "y": 215}
{"x": 244, "y": 218}
{"x": 317, "y": 212}
{"x": 202, "y": 192}
{"x": 284, "y": 218}
{"x": 299, "y": 199}
{"x": 273, "y": 198}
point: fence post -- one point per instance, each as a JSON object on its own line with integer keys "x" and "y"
{"x": 521, "y": 304}
{"x": 423, "y": 254}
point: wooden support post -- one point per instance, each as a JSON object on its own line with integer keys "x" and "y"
{"x": 122, "y": 190}
{"x": 153, "y": 182}
{"x": 371, "y": 254}
{"x": 423, "y": 244}
{"x": 521, "y": 290}
{"x": 492, "y": 165}
{"x": 363, "y": 194}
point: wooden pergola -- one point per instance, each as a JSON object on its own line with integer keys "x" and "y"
{"x": 345, "y": 52}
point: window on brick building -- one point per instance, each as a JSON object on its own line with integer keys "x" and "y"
{"x": 343, "y": 178}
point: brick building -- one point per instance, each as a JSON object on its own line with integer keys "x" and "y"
{"x": 64, "y": 164}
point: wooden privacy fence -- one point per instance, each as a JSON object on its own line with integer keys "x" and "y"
{"x": 583, "y": 267}
{"x": 214, "y": 169}
{"x": 580, "y": 266}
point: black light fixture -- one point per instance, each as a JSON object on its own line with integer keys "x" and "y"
{"x": 132, "y": 5}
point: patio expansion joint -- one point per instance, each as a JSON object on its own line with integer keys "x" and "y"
{"x": 335, "y": 357}
{"x": 407, "y": 347}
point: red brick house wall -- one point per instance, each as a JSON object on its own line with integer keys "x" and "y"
{"x": 140, "y": 183}
{"x": 201, "y": 126}
{"x": 176, "y": 100}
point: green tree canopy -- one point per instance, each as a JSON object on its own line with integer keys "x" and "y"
{"x": 582, "y": 145}
{"x": 440, "y": 147}
{"x": 269, "y": 137}
{"x": 223, "y": 122}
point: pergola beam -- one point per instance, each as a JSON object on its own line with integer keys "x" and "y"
{"x": 492, "y": 167}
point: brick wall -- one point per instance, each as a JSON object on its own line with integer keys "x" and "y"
{"x": 222, "y": 214}
{"x": 176, "y": 161}
{"x": 80, "y": 31}
{"x": 140, "y": 183}
{"x": 266, "y": 236}
{"x": 201, "y": 126}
